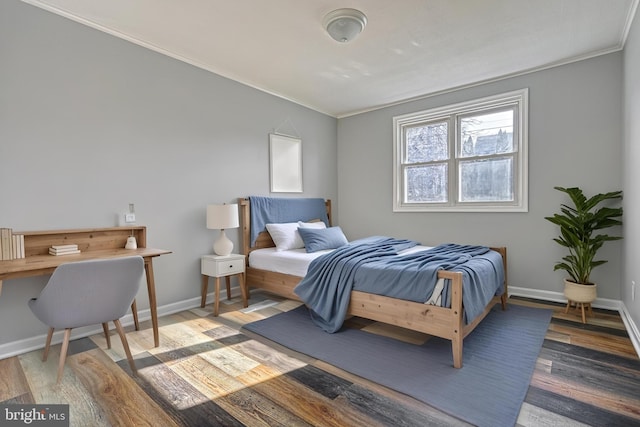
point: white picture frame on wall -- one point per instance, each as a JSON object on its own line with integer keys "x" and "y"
{"x": 285, "y": 154}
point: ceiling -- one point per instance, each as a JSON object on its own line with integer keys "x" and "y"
{"x": 409, "y": 48}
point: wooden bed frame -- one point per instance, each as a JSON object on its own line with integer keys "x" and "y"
{"x": 447, "y": 323}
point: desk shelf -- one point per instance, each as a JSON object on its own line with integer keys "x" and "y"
{"x": 87, "y": 239}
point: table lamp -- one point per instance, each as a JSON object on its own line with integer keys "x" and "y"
{"x": 222, "y": 217}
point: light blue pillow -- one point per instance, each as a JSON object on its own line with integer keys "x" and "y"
{"x": 317, "y": 239}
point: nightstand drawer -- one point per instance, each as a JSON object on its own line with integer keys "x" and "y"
{"x": 222, "y": 266}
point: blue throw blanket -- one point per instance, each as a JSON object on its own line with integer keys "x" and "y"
{"x": 275, "y": 210}
{"x": 371, "y": 265}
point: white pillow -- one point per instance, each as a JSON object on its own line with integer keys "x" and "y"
{"x": 285, "y": 236}
{"x": 315, "y": 224}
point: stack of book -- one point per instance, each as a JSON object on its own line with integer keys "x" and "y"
{"x": 63, "y": 250}
{"x": 11, "y": 245}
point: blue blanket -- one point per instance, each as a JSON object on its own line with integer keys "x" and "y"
{"x": 268, "y": 210}
{"x": 371, "y": 265}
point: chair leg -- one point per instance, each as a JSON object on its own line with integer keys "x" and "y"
{"x": 125, "y": 344}
{"x": 47, "y": 345}
{"x": 105, "y": 328}
{"x": 134, "y": 311}
{"x": 63, "y": 353}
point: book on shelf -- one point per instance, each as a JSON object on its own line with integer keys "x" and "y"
{"x": 63, "y": 252}
{"x": 18, "y": 246}
{"x": 6, "y": 244}
{"x": 62, "y": 247}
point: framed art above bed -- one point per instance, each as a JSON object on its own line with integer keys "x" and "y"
{"x": 285, "y": 168}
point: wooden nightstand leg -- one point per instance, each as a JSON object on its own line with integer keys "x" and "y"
{"x": 228, "y": 280}
{"x": 205, "y": 286}
{"x": 216, "y": 303}
{"x": 243, "y": 289}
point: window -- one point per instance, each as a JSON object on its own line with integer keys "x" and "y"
{"x": 465, "y": 157}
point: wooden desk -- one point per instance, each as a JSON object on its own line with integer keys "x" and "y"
{"x": 94, "y": 243}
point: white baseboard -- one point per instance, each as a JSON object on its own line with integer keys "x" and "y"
{"x": 632, "y": 328}
{"x": 609, "y": 304}
{"x": 34, "y": 343}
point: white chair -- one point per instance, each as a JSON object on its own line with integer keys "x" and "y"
{"x": 88, "y": 293}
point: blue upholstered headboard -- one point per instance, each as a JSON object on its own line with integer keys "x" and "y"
{"x": 265, "y": 210}
{"x": 257, "y": 211}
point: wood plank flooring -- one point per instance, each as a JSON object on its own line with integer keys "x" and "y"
{"x": 207, "y": 373}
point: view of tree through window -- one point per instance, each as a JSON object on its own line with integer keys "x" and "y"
{"x": 428, "y": 151}
{"x": 488, "y": 178}
{"x": 470, "y": 156}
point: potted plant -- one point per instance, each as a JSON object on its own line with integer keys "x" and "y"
{"x": 580, "y": 227}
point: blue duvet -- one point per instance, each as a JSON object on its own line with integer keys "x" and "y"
{"x": 372, "y": 265}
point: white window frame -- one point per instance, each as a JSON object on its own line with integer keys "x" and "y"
{"x": 517, "y": 99}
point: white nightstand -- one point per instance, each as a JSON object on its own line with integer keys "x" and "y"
{"x": 222, "y": 266}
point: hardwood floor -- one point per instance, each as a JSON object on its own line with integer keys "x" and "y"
{"x": 206, "y": 372}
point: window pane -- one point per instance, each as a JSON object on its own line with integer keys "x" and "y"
{"x": 427, "y": 183}
{"x": 487, "y": 134}
{"x": 427, "y": 143}
{"x": 487, "y": 180}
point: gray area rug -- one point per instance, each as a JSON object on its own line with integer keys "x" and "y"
{"x": 499, "y": 359}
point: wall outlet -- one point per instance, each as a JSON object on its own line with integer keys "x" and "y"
{"x": 130, "y": 217}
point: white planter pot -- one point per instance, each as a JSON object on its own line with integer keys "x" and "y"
{"x": 577, "y": 292}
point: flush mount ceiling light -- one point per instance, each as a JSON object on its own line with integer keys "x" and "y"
{"x": 344, "y": 25}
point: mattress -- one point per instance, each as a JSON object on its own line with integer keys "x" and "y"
{"x": 294, "y": 261}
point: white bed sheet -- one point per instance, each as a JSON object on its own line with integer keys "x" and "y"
{"x": 296, "y": 261}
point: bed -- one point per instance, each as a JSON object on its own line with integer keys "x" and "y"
{"x": 447, "y": 322}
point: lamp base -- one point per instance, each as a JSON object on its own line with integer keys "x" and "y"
{"x": 222, "y": 246}
{"x": 131, "y": 243}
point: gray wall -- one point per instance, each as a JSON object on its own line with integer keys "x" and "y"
{"x": 575, "y": 139}
{"x": 632, "y": 172}
{"x": 90, "y": 123}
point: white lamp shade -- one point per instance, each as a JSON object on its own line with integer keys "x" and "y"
{"x": 221, "y": 217}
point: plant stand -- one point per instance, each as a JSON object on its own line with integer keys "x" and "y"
{"x": 585, "y": 308}
{"x": 581, "y": 296}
